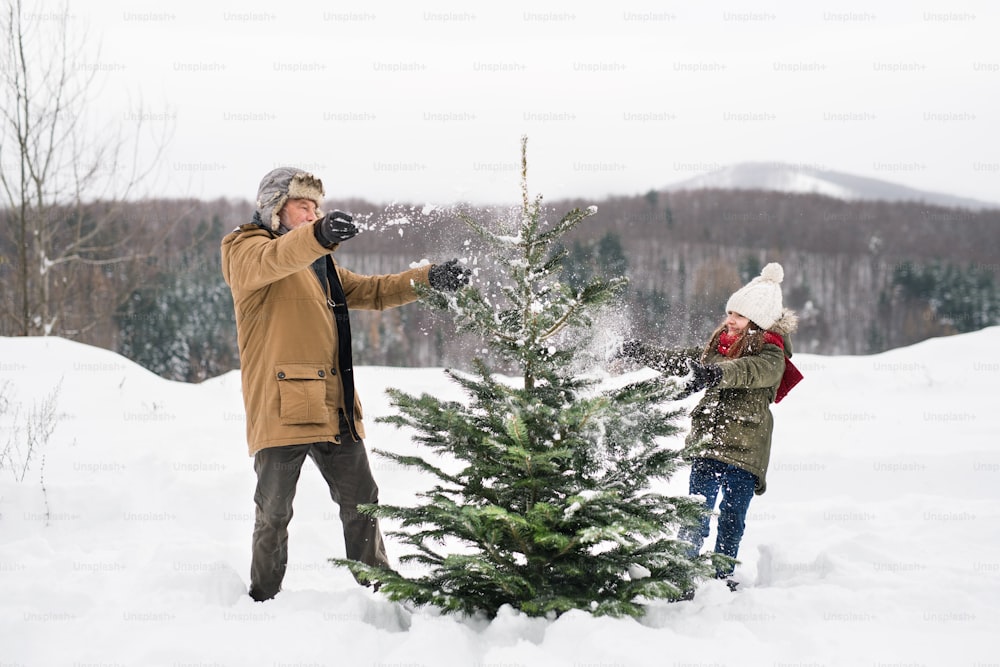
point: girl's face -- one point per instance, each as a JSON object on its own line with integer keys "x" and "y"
{"x": 736, "y": 324}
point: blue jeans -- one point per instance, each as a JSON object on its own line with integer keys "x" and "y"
{"x": 708, "y": 477}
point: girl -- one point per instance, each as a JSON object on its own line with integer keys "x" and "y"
{"x": 744, "y": 368}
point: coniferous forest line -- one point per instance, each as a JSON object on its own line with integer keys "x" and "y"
{"x": 864, "y": 276}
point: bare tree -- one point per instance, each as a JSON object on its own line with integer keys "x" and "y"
{"x": 62, "y": 180}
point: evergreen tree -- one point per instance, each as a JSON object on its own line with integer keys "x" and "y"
{"x": 577, "y": 265}
{"x": 585, "y": 260}
{"x": 545, "y": 502}
{"x": 750, "y": 268}
{"x": 652, "y": 198}
{"x": 957, "y": 300}
{"x": 182, "y": 325}
{"x": 610, "y": 256}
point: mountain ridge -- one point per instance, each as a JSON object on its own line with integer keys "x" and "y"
{"x": 802, "y": 179}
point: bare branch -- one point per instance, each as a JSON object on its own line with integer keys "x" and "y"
{"x": 55, "y": 165}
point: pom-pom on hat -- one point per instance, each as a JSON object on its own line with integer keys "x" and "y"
{"x": 281, "y": 184}
{"x": 760, "y": 299}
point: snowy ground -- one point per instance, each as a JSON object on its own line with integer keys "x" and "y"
{"x": 878, "y": 542}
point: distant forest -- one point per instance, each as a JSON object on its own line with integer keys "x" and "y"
{"x": 864, "y": 276}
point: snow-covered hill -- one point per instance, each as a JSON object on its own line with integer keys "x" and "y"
{"x": 810, "y": 180}
{"x": 877, "y": 543}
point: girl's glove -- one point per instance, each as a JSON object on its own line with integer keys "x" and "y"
{"x": 703, "y": 376}
{"x": 630, "y": 349}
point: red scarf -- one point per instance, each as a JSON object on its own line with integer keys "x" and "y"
{"x": 789, "y": 378}
{"x": 726, "y": 340}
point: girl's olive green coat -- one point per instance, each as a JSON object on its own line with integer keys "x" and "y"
{"x": 733, "y": 422}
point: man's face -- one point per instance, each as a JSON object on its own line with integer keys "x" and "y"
{"x": 298, "y": 212}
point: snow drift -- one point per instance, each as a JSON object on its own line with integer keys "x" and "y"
{"x": 877, "y": 543}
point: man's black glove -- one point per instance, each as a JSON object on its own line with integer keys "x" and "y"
{"x": 703, "y": 376}
{"x": 449, "y": 276}
{"x": 334, "y": 227}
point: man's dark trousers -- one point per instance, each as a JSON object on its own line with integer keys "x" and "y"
{"x": 346, "y": 470}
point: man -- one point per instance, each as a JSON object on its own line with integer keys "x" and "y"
{"x": 294, "y": 336}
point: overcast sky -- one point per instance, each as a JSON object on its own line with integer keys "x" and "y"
{"x": 425, "y": 101}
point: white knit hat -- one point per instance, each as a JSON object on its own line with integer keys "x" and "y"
{"x": 760, "y": 299}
